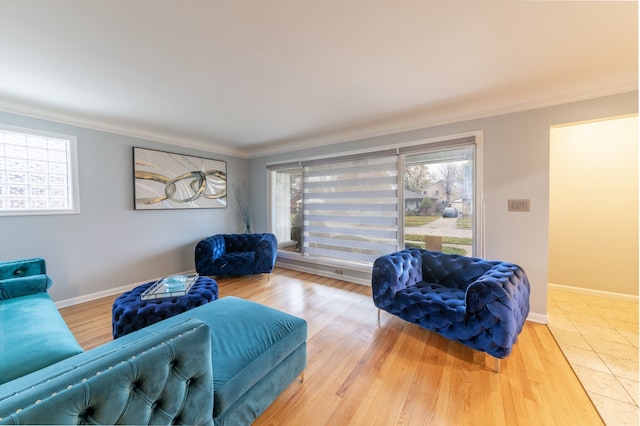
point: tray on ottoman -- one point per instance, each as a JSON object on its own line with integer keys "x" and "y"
{"x": 170, "y": 286}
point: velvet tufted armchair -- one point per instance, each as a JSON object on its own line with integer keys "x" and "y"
{"x": 236, "y": 254}
{"x": 480, "y": 303}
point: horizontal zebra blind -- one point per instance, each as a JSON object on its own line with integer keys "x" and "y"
{"x": 351, "y": 209}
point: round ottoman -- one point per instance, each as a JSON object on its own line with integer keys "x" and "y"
{"x": 131, "y": 313}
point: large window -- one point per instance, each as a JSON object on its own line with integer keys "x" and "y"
{"x": 37, "y": 172}
{"x": 358, "y": 207}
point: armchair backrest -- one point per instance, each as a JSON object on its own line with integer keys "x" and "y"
{"x": 241, "y": 242}
{"x": 452, "y": 270}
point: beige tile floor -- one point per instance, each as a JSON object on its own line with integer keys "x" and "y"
{"x": 599, "y": 337}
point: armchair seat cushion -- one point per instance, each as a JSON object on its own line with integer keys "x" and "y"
{"x": 234, "y": 264}
{"x": 435, "y": 304}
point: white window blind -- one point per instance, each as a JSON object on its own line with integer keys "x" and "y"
{"x": 351, "y": 209}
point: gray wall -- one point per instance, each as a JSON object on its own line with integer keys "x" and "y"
{"x": 515, "y": 165}
{"x": 109, "y": 244}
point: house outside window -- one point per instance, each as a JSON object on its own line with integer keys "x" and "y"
{"x": 38, "y": 173}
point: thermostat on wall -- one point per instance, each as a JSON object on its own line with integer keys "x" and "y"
{"x": 519, "y": 205}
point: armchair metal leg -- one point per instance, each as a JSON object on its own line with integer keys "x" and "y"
{"x": 378, "y": 316}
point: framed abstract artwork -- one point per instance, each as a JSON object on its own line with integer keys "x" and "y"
{"x": 164, "y": 180}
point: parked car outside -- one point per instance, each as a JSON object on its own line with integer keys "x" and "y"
{"x": 449, "y": 212}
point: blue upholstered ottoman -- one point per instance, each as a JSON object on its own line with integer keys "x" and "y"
{"x": 256, "y": 352}
{"x": 131, "y": 313}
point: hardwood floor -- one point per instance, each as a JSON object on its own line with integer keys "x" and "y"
{"x": 361, "y": 372}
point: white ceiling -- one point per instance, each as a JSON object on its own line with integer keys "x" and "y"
{"x": 252, "y": 77}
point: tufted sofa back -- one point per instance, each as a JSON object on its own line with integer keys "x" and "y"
{"x": 23, "y": 277}
{"x": 22, "y": 268}
{"x": 159, "y": 378}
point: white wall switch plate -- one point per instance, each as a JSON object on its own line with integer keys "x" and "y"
{"x": 519, "y": 205}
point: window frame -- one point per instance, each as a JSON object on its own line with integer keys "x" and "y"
{"x": 401, "y": 150}
{"x": 73, "y": 180}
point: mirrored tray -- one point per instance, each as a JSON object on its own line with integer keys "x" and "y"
{"x": 170, "y": 286}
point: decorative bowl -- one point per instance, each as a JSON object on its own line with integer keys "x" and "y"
{"x": 174, "y": 282}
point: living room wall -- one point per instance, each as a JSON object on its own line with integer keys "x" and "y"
{"x": 109, "y": 246}
{"x": 515, "y": 166}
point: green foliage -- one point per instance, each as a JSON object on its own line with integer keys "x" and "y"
{"x": 426, "y": 203}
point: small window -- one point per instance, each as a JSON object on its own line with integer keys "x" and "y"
{"x": 38, "y": 172}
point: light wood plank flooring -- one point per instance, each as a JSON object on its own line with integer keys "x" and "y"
{"x": 361, "y": 372}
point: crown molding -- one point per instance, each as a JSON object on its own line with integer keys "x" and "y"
{"x": 381, "y": 127}
{"x": 50, "y": 114}
{"x": 401, "y": 124}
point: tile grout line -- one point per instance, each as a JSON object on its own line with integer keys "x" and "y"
{"x": 594, "y": 313}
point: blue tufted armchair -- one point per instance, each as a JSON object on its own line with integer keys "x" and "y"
{"x": 480, "y": 303}
{"x": 236, "y": 254}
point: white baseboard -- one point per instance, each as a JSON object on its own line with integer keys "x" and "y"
{"x": 105, "y": 293}
{"x": 351, "y": 279}
{"x": 539, "y": 318}
{"x": 596, "y": 293}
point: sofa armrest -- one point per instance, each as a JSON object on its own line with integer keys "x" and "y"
{"x": 267, "y": 249}
{"x": 207, "y": 251}
{"x": 22, "y": 268}
{"x": 24, "y": 286}
{"x": 394, "y": 272}
{"x": 500, "y": 296}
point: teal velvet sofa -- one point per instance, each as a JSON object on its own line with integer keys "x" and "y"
{"x": 222, "y": 363}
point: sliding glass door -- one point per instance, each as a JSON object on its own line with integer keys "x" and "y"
{"x": 439, "y": 205}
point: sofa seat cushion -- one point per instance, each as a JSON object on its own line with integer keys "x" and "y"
{"x": 34, "y": 335}
{"x": 433, "y": 306}
{"x": 246, "y": 346}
